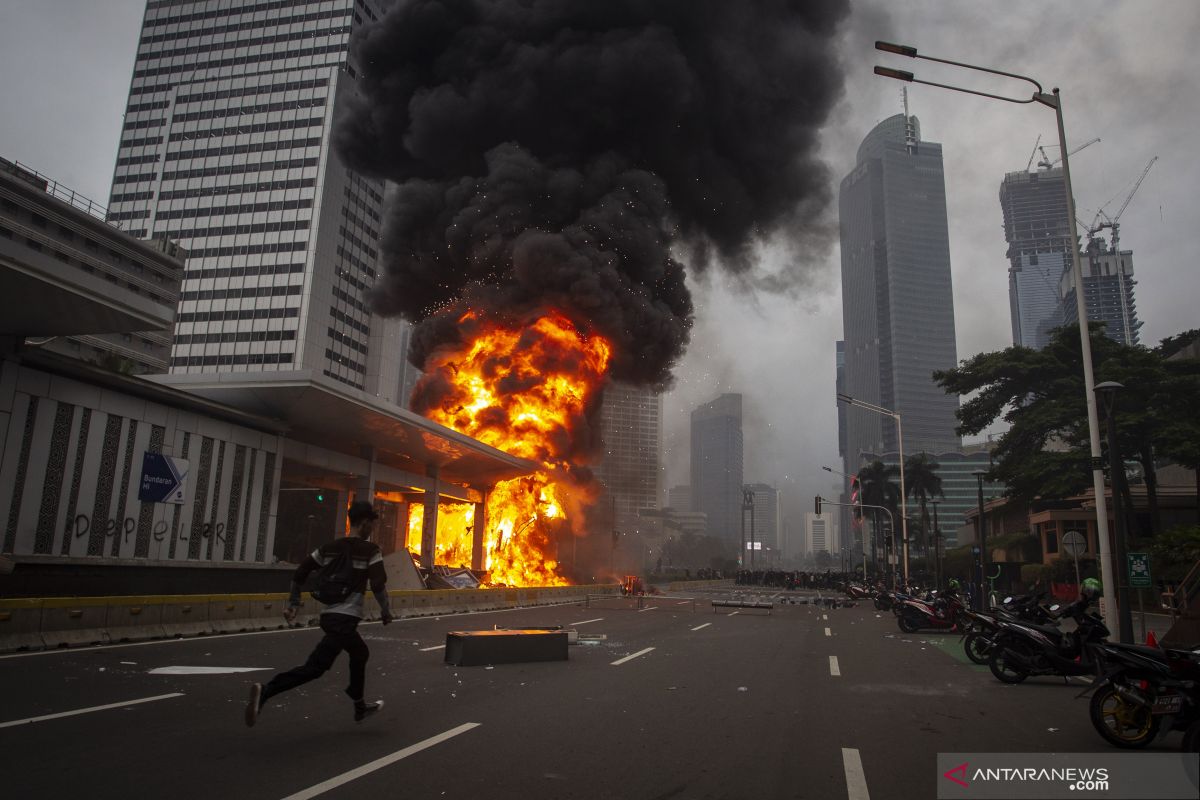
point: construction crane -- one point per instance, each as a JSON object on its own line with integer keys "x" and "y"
{"x": 1033, "y": 153}
{"x": 1046, "y": 163}
{"x": 1103, "y": 221}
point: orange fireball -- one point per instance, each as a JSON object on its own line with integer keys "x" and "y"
{"x": 529, "y": 390}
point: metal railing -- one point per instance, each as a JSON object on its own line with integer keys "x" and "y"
{"x": 1176, "y": 601}
{"x": 57, "y": 190}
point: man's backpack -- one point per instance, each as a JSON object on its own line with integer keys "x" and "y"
{"x": 335, "y": 581}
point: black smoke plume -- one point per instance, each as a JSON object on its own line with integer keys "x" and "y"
{"x": 570, "y": 153}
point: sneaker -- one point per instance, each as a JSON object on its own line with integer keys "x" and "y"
{"x": 254, "y": 704}
{"x": 364, "y": 710}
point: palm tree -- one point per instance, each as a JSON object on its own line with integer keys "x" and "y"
{"x": 877, "y": 489}
{"x": 922, "y": 483}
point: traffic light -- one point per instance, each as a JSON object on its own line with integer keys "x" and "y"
{"x": 320, "y": 497}
{"x": 818, "y": 505}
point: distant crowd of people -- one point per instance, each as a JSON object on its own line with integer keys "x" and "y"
{"x": 795, "y": 579}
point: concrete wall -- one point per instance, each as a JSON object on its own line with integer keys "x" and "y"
{"x": 70, "y": 467}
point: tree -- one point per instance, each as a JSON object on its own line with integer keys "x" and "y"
{"x": 1040, "y": 393}
{"x": 877, "y": 489}
{"x": 922, "y": 482}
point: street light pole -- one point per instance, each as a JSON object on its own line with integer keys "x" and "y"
{"x": 937, "y": 549}
{"x": 982, "y": 604}
{"x": 1108, "y": 393}
{"x": 845, "y": 398}
{"x": 1053, "y": 100}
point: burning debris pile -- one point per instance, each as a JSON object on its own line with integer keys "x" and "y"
{"x": 555, "y": 161}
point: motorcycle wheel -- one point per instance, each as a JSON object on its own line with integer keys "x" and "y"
{"x": 909, "y": 623}
{"x": 1004, "y": 669}
{"x": 978, "y": 647}
{"x": 1120, "y": 722}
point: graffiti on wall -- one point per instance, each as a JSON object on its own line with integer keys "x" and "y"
{"x": 81, "y": 526}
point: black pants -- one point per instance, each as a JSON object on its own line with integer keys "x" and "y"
{"x": 341, "y": 633}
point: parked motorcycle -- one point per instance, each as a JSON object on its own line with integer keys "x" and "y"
{"x": 1144, "y": 692}
{"x": 944, "y": 612}
{"x": 981, "y": 628}
{"x": 1021, "y": 649}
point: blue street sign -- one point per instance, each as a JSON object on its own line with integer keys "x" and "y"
{"x": 164, "y": 479}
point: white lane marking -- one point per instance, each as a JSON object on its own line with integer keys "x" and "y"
{"x": 683, "y": 602}
{"x": 104, "y": 647}
{"x": 630, "y": 657}
{"x": 587, "y": 621}
{"x": 380, "y": 763}
{"x": 650, "y": 608}
{"x": 203, "y": 670}
{"x": 833, "y": 666}
{"x": 825, "y": 617}
{"x": 45, "y": 717}
{"x": 827, "y": 633}
{"x": 734, "y": 614}
{"x": 698, "y": 627}
{"x": 438, "y": 647}
{"x": 856, "y": 779}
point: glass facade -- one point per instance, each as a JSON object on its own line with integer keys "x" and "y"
{"x": 226, "y": 149}
{"x": 1107, "y": 292}
{"x": 631, "y": 467}
{"x": 897, "y": 297}
{"x": 1037, "y": 229}
{"x": 716, "y": 455}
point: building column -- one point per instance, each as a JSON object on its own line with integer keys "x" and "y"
{"x": 429, "y": 523}
{"x": 477, "y": 532}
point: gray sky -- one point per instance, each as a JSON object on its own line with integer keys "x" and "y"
{"x": 1124, "y": 74}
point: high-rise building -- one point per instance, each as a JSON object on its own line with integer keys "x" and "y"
{"x": 821, "y": 535}
{"x": 226, "y": 148}
{"x": 766, "y": 516}
{"x": 631, "y": 470}
{"x": 717, "y": 466}
{"x": 897, "y": 298}
{"x": 1107, "y": 292}
{"x": 1037, "y": 229}
{"x": 680, "y": 498}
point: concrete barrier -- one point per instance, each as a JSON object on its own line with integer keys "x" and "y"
{"x": 229, "y": 613}
{"x": 74, "y": 621}
{"x": 132, "y": 618}
{"x": 185, "y": 615}
{"x": 266, "y": 611}
{"x": 35, "y": 623}
{"x": 21, "y": 624}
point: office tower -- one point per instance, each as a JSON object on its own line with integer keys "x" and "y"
{"x": 1107, "y": 292}
{"x": 1037, "y": 229}
{"x": 821, "y": 535}
{"x": 631, "y": 469}
{"x": 64, "y": 250}
{"x": 897, "y": 299}
{"x": 717, "y": 466}
{"x": 680, "y": 498}
{"x": 766, "y": 516}
{"x": 226, "y": 148}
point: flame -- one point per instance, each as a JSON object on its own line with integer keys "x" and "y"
{"x": 526, "y": 389}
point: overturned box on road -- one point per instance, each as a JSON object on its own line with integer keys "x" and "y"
{"x": 479, "y": 648}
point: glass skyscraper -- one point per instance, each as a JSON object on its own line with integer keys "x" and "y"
{"x": 897, "y": 298}
{"x": 226, "y": 149}
{"x": 1037, "y": 230}
{"x": 631, "y": 469}
{"x": 1107, "y": 292}
{"x": 716, "y": 487}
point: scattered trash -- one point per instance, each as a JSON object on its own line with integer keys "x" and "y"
{"x": 672, "y": 688}
{"x": 743, "y": 689}
{"x": 489, "y": 667}
{"x": 130, "y": 663}
{"x": 1054, "y": 730}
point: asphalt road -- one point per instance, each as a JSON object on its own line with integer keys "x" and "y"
{"x": 724, "y": 705}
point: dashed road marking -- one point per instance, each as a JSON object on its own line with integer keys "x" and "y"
{"x": 683, "y": 602}
{"x": 825, "y": 616}
{"x": 833, "y": 666}
{"x": 380, "y": 763}
{"x": 648, "y": 608}
{"x": 698, "y": 627}
{"x": 734, "y": 614}
{"x": 856, "y": 779}
{"x": 630, "y": 657}
{"x": 827, "y": 632}
{"x": 437, "y": 647}
{"x": 14, "y": 723}
{"x": 587, "y": 621}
